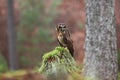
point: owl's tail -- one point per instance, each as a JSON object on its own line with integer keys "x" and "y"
{"x": 71, "y": 50}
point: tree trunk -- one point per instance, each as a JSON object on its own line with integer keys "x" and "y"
{"x": 101, "y": 47}
{"x": 13, "y": 56}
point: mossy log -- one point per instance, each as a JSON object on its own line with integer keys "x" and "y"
{"x": 58, "y": 61}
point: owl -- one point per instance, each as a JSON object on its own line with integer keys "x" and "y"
{"x": 63, "y": 37}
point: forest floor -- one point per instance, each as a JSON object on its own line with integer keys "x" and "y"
{"x": 25, "y": 75}
{"x": 21, "y": 75}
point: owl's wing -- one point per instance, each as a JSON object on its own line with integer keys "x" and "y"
{"x": 67, "y": 34}
{"x": 69, "y": 45}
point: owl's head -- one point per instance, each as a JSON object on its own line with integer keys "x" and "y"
{"x": 61, "y": 28}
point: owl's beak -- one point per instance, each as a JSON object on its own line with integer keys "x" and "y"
{"x": 62, "y": 29}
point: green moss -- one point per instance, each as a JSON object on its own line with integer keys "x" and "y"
{"x": 119, "y": 76}
{"x": 57, "y": 51}
{"x": 58, "y": 60}
{"x": 3, "y": 64}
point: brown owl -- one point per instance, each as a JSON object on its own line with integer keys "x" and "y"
{"x": 63, "y": 37}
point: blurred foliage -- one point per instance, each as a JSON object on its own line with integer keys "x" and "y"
{"x": 118, "y": 75}
{"x": 3, "y": 64}
{"x": 19, "y": 75}
{"x": 15, "y": 73}
{"x": 34, "y": 30}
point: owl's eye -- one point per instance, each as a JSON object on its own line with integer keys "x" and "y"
{"x": 59, "y": 26}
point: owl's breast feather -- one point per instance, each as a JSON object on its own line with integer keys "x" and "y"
{"x": 60, "y": 38}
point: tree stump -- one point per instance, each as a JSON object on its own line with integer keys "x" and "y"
{"x": 59, "y": 64}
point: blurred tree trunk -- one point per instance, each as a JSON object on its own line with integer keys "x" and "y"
{"x": 101, "y": 47}
{"x": 13, "y": 56}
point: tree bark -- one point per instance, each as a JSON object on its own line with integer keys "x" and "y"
{"x": 101, "y": 47}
